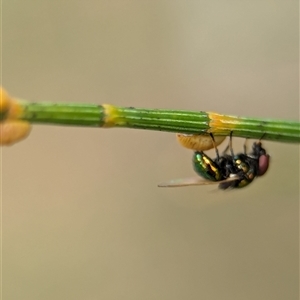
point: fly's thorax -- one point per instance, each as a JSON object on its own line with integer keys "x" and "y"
{"x": 241, "y": 162}
{"x": 226, "y": 165}
{"x": 247, "y": 167}
{"x": 205, "y": 167}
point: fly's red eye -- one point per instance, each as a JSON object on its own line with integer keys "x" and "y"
{"x": 263, "y": 164}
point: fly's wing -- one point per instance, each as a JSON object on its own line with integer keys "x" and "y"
{"x": 195, "y": 181}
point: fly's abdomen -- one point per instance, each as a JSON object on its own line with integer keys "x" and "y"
{"x": 206, "y": 167}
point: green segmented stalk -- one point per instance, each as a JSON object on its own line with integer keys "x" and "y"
{"x": 158, "y": 119}
{"x": 63, "y": 114}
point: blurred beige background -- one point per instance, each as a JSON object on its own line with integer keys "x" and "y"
{"x": 82, "y": 215}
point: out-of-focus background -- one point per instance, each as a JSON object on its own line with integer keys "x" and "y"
{"x": 83, "y": 217}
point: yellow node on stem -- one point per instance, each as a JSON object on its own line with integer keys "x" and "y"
{"x": 110, "y": 115}
{"x": 220, "y": 123}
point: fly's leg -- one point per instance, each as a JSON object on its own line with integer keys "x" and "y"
{"x": 216, "y": 149}
{"x": 262, "y": 136}
{"x": 245, "y": 146}
{"x": 225, "y": 150}
{"x": 232, "y": 167}
{"x": 230, "y": 144}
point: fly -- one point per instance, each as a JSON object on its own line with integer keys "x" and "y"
{"x": 229, "y": 170}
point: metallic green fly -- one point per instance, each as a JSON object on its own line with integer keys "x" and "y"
{"x": 228, "y": 170}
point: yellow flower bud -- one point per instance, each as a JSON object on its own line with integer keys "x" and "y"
{"x": 198, "y": 142}
{"x": 12, "y": 130}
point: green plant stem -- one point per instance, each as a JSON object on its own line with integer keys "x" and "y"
{"x": 188, "y": 122}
